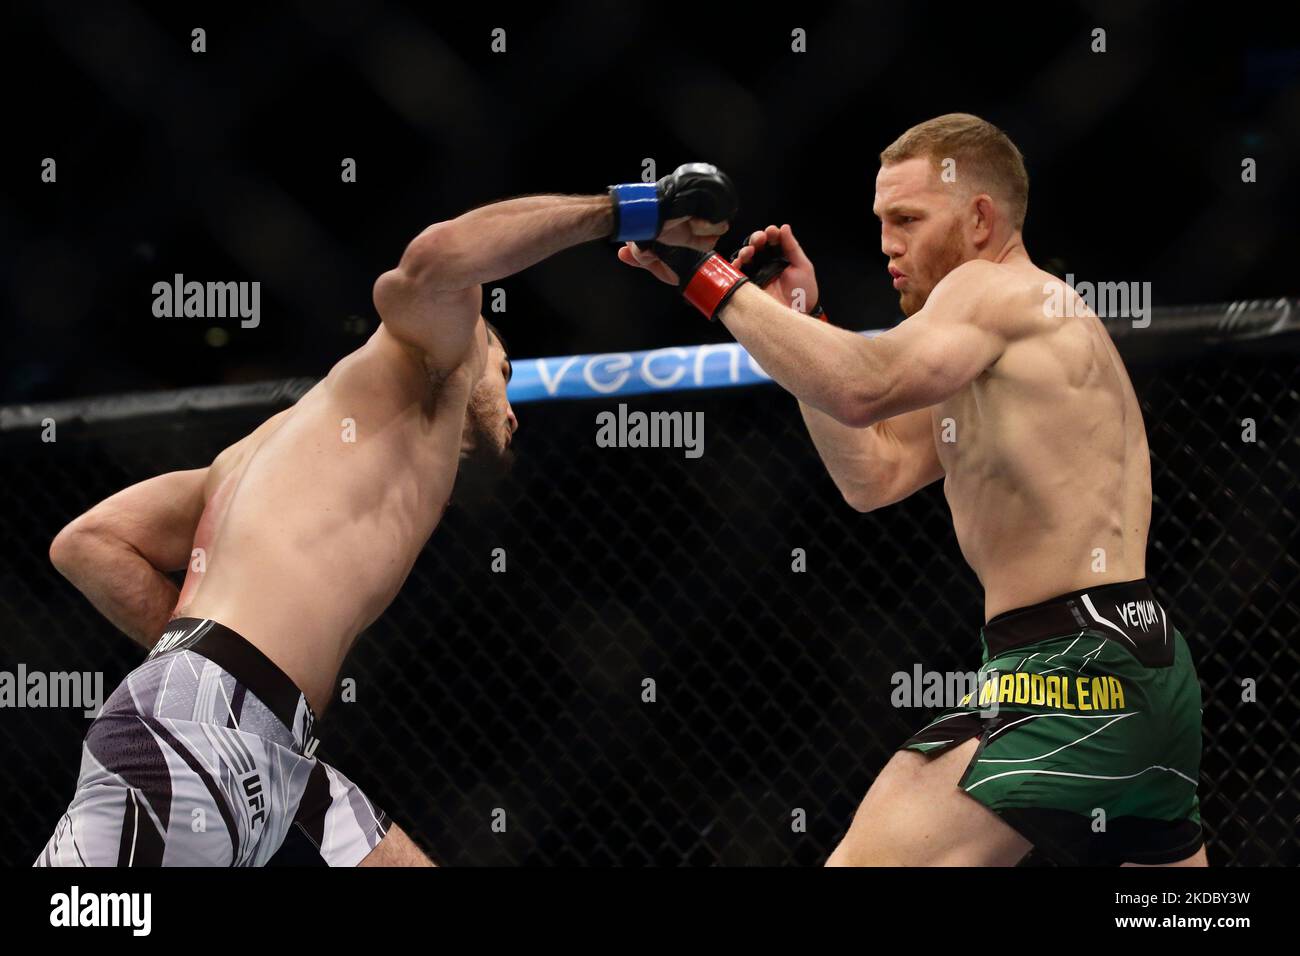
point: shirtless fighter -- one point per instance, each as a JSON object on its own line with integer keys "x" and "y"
{"x": 296, "y": 538}
{"x": 1085, "y": 739}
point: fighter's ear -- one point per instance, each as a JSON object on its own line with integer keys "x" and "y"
{"x": 984, "y": 213}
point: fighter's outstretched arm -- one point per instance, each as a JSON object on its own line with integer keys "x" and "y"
{"x": 857, "y": 381}
{"x": 431, "y": 300}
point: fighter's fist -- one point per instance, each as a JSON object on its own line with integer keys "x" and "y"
{"x": 698, "y": 191}
{"x": 692, "y": 206}
{"x": 796, "y": 285}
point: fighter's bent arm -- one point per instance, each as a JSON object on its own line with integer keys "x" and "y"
{"x": 117, "y": 553}
{"x": 431, "y": 300}
{"x": 873, "y": 466}
{"x": 880, "y": 464}
{"x": 860, "y": 381}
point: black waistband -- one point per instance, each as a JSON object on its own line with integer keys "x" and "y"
{"x": 1127, "y": 613}
{"x": 248, "y": 665}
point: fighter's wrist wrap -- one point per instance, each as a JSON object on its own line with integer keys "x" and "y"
{"x": 705, "y": 279}
{"x": 636, "y": 211}
{"x": 691, "y": 191}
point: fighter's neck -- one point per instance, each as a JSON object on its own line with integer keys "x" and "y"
{"x": 1011, "y": 251}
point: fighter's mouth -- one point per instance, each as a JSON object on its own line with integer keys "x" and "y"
{"x": 896, "y": 274}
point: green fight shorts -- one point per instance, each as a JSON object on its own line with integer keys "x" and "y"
{"x": 1088, "y": 715}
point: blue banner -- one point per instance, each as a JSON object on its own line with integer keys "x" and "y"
{"x": 674, "y": 369}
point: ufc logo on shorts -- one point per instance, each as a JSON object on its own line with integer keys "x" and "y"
{"x": 252, "y": 785}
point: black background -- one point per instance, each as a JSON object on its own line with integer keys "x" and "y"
{"x": 225, "y": 165}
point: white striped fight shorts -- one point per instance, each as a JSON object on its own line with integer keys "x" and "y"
{"x": 203, "y": 756}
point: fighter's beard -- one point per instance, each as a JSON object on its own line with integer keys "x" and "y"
{"x": 949, "y": 256}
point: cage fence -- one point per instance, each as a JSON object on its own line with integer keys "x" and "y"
{"x": 520, "y": 696}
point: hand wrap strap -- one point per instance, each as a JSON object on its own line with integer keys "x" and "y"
{"x": 705, "y": 279}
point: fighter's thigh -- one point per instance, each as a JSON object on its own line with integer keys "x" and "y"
{"x": 915, "y": 814}
{"x": 396, "y": 849}
{"x": 150, "y": 809}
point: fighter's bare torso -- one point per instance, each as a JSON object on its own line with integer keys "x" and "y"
{"x": 314, "y": 520}
{"x": 1045, "y": 457}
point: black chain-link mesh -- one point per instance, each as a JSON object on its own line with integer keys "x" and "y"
{"x": 523, "y": 690}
